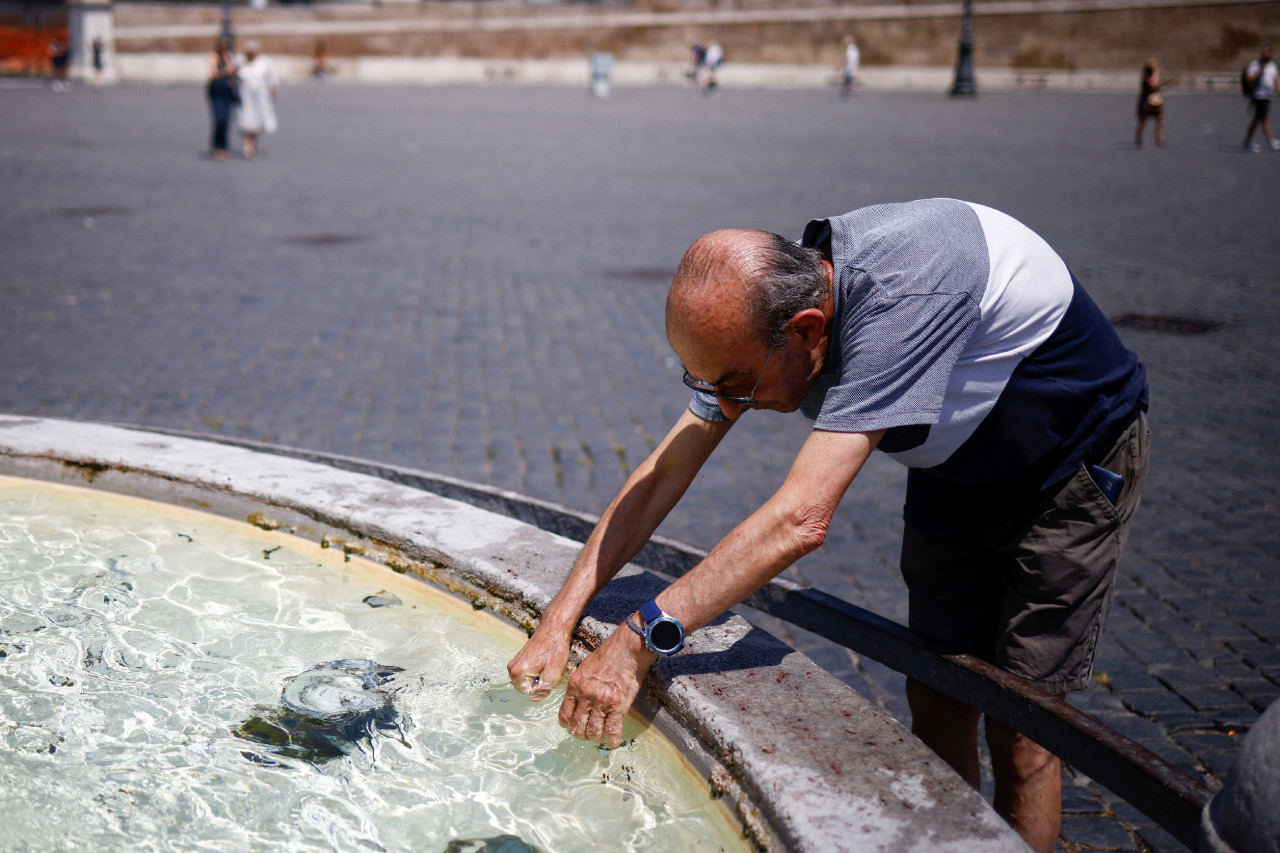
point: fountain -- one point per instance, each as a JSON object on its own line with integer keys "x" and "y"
{"x": 796, "y": 759}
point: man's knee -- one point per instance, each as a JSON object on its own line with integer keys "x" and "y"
{"x": 1019, "y": 751}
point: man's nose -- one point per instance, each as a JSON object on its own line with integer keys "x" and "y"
{"x": 731, "y": 410}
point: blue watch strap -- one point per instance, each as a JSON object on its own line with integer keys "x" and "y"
{"x": 650, "y": 611}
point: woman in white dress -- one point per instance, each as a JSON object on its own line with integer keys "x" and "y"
{"x": 256, "y": 113}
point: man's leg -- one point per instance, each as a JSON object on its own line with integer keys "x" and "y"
{"x": 1253, "y": 124}
{"x": 948, "y": 727}
{"x": 1028, "y": 785}
{"x": 1028, "y": 777}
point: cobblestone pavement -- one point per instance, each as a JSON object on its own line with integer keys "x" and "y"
{"x": 471, "y": 281}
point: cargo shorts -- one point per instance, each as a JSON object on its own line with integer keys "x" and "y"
{"x": 1029, "y": 592}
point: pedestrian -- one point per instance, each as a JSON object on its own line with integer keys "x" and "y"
{"x": 223, "y": 92}
{"x": 256, "y": 113}
{"x": 699, "y": 61}
{"x": 849, "y": 75}
{"x": 713, "y": 61}
{"x": 953, "y": 338}
{"x": 321, "y": 68}
{"x": 601, "y": 73}
{"x": 1263, "y": 75}
{"x": 60, "y": 58}
{"x": 99, "y": 62}
{"x": 1150, "y": 103}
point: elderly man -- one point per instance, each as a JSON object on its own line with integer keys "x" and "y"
{"x": 953, "y": 338}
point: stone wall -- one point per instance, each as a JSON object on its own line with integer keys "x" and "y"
{"x": 1059, "y": 35}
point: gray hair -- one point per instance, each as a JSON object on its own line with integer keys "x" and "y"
{"x": 788, "y": 279}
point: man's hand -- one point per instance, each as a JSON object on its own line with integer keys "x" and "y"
{"x": 540, "y": 665}
{"x": 603, "y": 687}
{"x": 648, "y": 495}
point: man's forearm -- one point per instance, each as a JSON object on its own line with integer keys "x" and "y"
{"x": 649, "y": 494}
{"x": 753, "y": 553}
{"x": 792, "y": 523}
{"x": 789, "y": 525}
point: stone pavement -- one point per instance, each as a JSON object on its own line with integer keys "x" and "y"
{"x": 471, "y": 281}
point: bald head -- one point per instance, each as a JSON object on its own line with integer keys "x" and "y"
{"x": 735, "y": 285}
{"x": 711, "y": 292}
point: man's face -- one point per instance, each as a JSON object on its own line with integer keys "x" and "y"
{"x": 708, "y": 329}
{"x": 777, "y": 379}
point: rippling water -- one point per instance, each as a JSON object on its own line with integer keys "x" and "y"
{"x": 136, "y": 637}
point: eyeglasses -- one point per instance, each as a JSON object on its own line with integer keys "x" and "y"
{"x": 749, "y": 400}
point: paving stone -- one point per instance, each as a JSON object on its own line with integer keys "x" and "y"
{"x": 1176, "y": 721}
{"x": 1127, "y": 814}
{"x": 1255, "y": 652}
{"x": 1235, "y": 671}
{"x": 1258, "y": 692}
{"x": 1182, "y": 677}
{"x": 1079, "y": 799}
{"x": 1159, "y": 840}
{"x": 1095, "y": 833}
{"x": 1124, "y": 681}
{"x": 1096, "y": 701}
{"x": 1235, "y": 719}
{"x": 1204, "y": 699}
{"x": 1147, "y": 702}
{"x": 1208, "y": 741}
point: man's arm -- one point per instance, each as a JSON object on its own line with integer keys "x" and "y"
{"x": 791, "y": 524}
{"x": 632, "y": 517}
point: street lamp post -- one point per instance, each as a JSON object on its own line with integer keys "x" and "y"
{"x": 227, "y": 35}
{"x": 965, "y": 83}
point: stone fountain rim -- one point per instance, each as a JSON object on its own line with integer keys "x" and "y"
{"x": 803, "y": 761}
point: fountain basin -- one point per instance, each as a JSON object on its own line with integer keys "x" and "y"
{"x": 804, "y": 762}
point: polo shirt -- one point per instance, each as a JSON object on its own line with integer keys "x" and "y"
{"x": 964, "y": 336}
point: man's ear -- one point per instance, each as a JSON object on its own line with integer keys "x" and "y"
{"x": 810, "y": 324}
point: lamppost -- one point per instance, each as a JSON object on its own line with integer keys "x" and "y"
{"x": 227, "y": 35}
{"x": 965, "y": 84}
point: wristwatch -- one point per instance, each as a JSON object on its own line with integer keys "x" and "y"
{"x": 663, "y": 634}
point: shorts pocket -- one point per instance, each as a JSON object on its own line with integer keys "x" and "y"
{"x": 1093, "y": 495}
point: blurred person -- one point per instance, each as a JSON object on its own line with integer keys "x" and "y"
{"x": 223, "y": 92}
{"x": 257, "y": 113}
{"x": 852, "y": 59}
{"x": 1263, "y": 75}
{"x": 699, "y": 61}
{"x": 1150, "y": 103}
{"x": 601, "y": 73}
{"x": 99, "y": 62}
{"x": 713, "y": 61}
{"x": 321, "y": 68}
{"x": 60, "y": 57}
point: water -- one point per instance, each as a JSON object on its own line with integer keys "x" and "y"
{"x": 136, "y": 639}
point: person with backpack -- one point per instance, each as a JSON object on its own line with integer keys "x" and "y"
{"x": 1150, "y": 103}
{"x": 1261, "y": 79}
